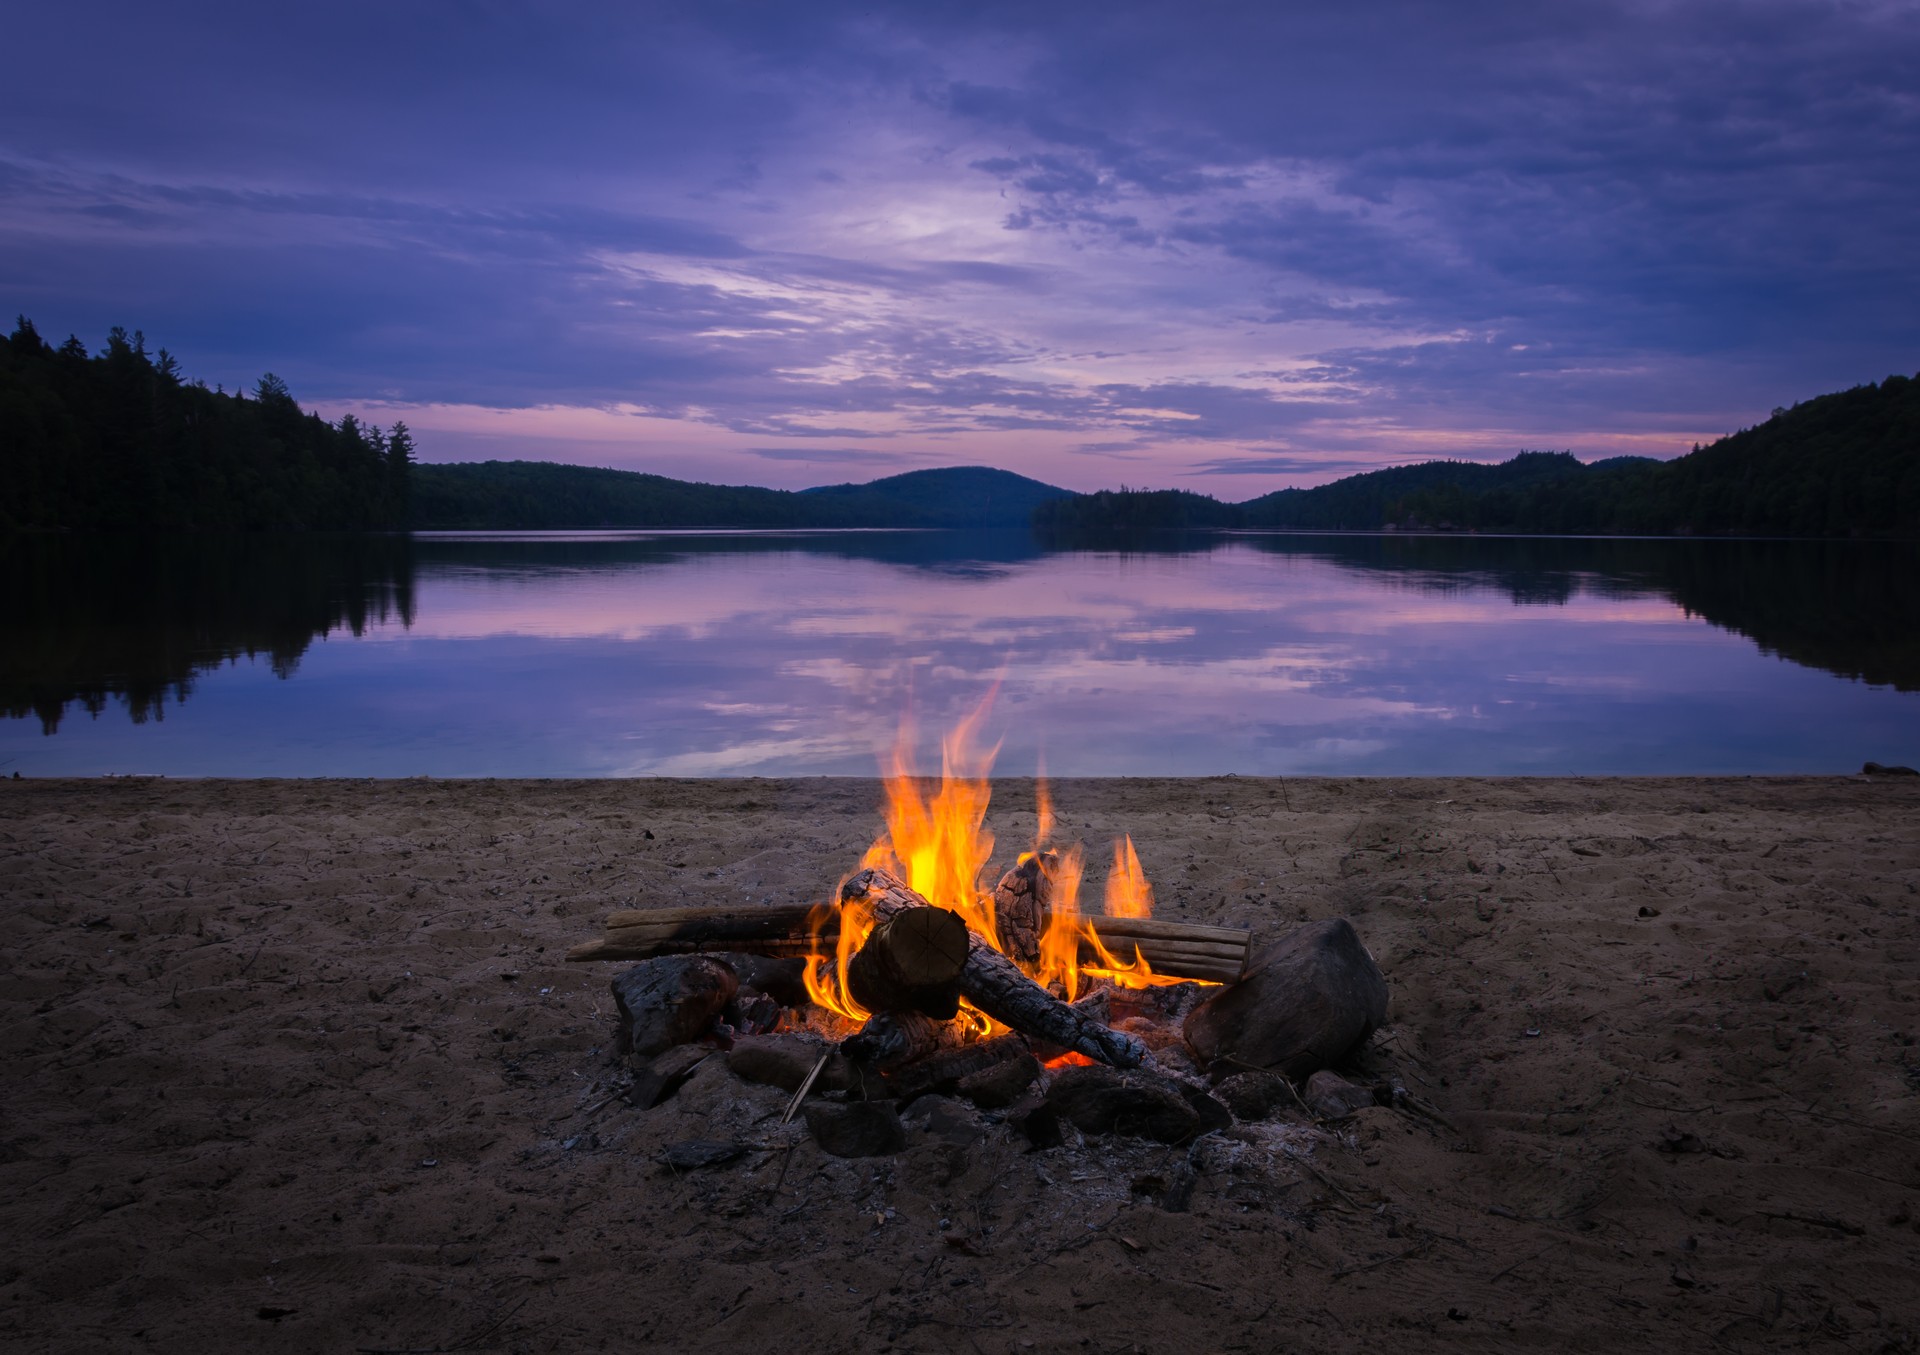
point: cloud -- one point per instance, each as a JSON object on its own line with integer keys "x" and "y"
{"x": 1308, "y": 232}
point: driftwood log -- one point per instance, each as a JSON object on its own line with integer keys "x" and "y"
{"x": 992, "y": 983}
{"x": 1182, "y": 950}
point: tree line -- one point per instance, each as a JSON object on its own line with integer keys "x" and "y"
{"x": 120, "y": 440}
{"x": 1841, "y": 465}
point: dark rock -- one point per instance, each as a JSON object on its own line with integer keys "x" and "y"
{"x": 1103, "y": 1100}
{"x": 657, "y": 1079}
{"x": 783, "y": 979}
{"x": 694, "y": 1154}
{"x": 1003, "y": 1083}
{"x": 1035, "y": 1119}
{"x": 1332, "y": 1097}
{"x": 1307, "y": 1002}
{"x": 856, "y": 1128}
{"x": 1875, "y": 769}
{"x": 947, "y": 1119}
{"x": 1256, "y": 1095}
{"x": 784, "y": 1061}
{"x": 672, "y": 1000}
{"x": 1213, "y": 1114}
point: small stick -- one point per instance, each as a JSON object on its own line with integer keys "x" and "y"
{"x": 805, "y": 1087}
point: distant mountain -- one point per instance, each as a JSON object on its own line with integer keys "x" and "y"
{"x": 1840, "y": 465}
{"x": 524, "y": 495}
{"x": 963, "y": 496}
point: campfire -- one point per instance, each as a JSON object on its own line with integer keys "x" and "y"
{"x": 920, "y": 978}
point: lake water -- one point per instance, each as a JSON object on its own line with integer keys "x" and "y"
{"x": 726, "y": 654}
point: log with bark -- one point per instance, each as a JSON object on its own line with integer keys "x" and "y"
{"x": 1176, "y": 949}
{"x": 911, "y": 962}
{"x": 992, "y": 983}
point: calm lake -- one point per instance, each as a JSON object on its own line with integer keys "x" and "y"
{"x": 734, "y": 654}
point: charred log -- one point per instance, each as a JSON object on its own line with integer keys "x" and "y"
{"x": 990, "y": 981}
{"x": 911, "y": 962}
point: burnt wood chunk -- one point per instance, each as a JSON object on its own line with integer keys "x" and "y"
{"x": 670, "y": 1000}
{"x": 945, "y": 1070}
{"x": 782, "y": 978}
{"x": 1310, "y": 999}
{"x": 911, "y": 962}
{"x": 1100, "y": 1100}
{"x": 890, "y": 1039}
{"x": 856, "y": 1128}
{"x": 1003, "y": 1083}
{"x": 990, "y": 981}
{"x": 657, "y": 1079}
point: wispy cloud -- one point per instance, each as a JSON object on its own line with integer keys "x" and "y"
{"x": 1047, "y": 238}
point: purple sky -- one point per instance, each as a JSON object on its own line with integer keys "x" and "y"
{"x": 1218, "y": 247}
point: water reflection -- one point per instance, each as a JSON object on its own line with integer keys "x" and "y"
{"x": 791, "y": 654}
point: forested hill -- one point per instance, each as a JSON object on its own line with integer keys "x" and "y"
{"x": 119, "y": 440}
{"x": 527, "y": 495}
{"x": 1840, "y": 465}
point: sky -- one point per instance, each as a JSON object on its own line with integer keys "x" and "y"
{"x": 1218, "y": 247}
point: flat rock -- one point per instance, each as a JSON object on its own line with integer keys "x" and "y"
{"x": 1102, "y": 1100}
{"x": 1256, "y": 1095}
{"x": 671, "y": 1000}
{"x": 1332, "y": 1097}
{"x": 856, "y": 1128}
{"x": 1306, "y": 1003}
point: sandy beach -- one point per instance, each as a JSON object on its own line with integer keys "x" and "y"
{"x": 295, "y": 1065}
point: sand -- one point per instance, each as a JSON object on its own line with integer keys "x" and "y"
{"x": 296, "y": 1066}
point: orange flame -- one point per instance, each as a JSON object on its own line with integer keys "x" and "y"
{"x": 1128, "y": 893}
{"x": 940, "y": 845}
{"x": 1060, "y": 942}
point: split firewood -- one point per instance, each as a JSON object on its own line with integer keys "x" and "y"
{"x": 1021, "y": 902}
{"x": 911, "y": 962}
{"x": 990, "y": 981}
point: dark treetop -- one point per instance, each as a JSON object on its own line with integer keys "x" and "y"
{"x": 118, "y": 440}
{"x": 1838, "y": 466}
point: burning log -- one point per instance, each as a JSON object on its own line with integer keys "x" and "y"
{"x": 911, "y": 962}
{"x": 990, "y": 981}
{"x": 1174, "y": 949}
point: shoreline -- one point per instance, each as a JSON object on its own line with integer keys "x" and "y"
{"x": 1670, "y": 1020}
